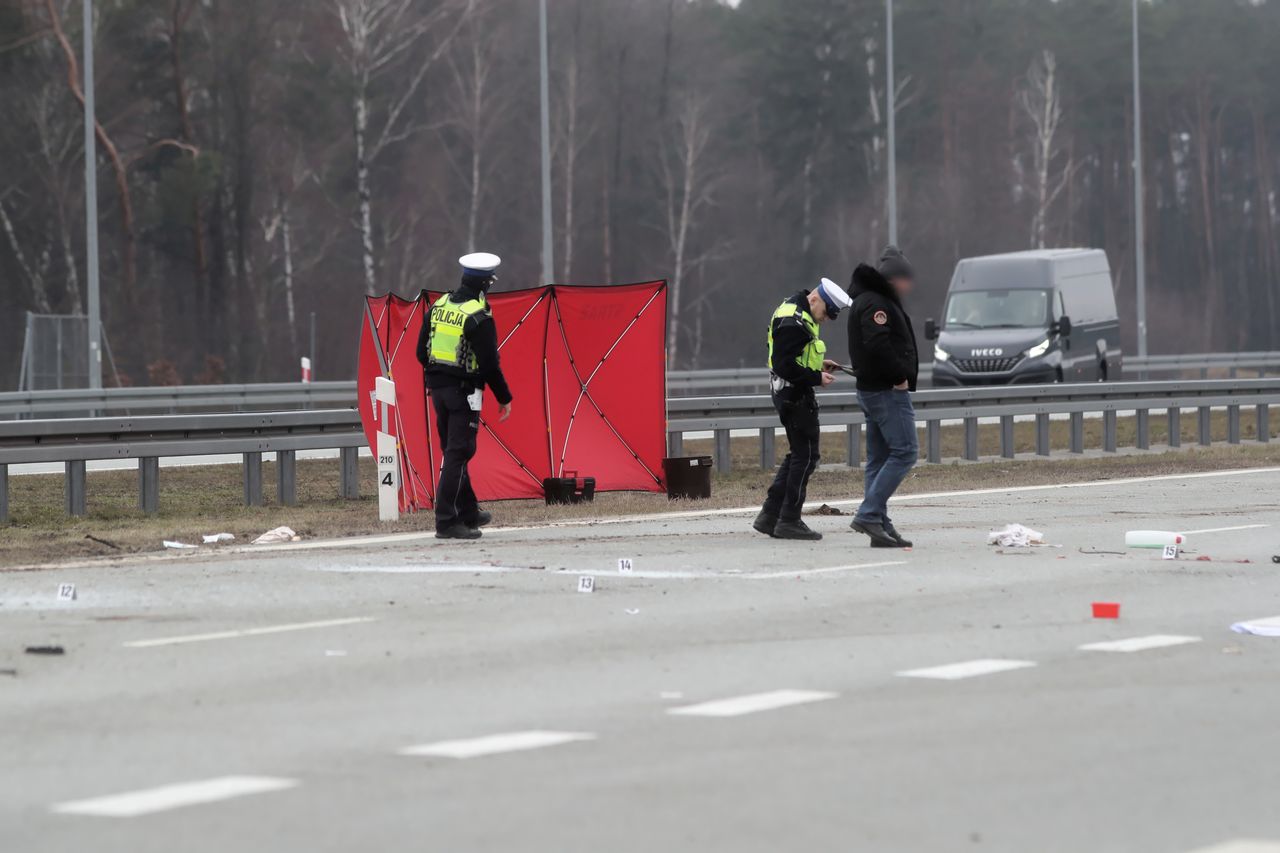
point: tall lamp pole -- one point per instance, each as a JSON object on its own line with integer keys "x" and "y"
{"x": 548, "y": 264}
{"x": 1139, "y": 237}
{"x": 91, "y": 206}
{"x": 893, "y": 134}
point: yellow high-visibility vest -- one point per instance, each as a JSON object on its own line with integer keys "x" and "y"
{"x": 446, "y": 345}
{"x": 815, "y": 352}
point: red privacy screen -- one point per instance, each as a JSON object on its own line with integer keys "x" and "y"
{"x": 586, "y": 366}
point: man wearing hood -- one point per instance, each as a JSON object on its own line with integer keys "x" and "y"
{"x": 797, "y": 365}
{"x": 882, "y": 353}
{"x": 458, "y": 349}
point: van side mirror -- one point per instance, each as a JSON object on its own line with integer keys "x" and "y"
{"x": 930, "y": 330}
{"x": 1063, "y": 326}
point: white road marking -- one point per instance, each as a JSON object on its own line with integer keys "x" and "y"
{"x": 752, "y": 703}
{"x": 167, "y": 797}
{"x": 967, "y": 669}
{"x": 1139, "y": 644}
{"x": 394, "y": 538}
{"x": 494, "y": 744}
{"x": 821, "y": 571}
{"x": 246, "y": 632}
{"x": 1242, "y": 845}
{"x": 1224, "y": 529}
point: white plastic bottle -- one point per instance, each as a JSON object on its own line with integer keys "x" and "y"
{"x": 1153, "y": 538}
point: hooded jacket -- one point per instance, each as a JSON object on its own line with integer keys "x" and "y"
{"x": 882, "y": 342}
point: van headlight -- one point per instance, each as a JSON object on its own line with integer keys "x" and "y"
{"x": 939, "y": 354}
{"x": 1039, "y": 349}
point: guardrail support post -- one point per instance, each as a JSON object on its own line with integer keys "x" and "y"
{"x": 853, "y": 445}
{"x": 349, "y": 473}
{"x": 4, "y": 494}
{"x": 1077, "y": 432}
{"x": 768, "y": 456}
{"x": 149, "y": 484}
{"x": 287, "y": 477}
{"x": 1264, "y": 426}
{"x": 1144, "y": 429}
{"x": 971, "y": 439}
{"x": 1175, "y": 427}
{"x": 1006, "y": 436}
{"x": 1109, "y": 440}
{"x": 1042, "y": 434}
{"x": 675, "y": 444}
{"x": 253, "y": 479}
{"x": 1233, "y": 424}
{"x": 75, "y": 487}
{"x": 933, "y": 441}
{"x": 1204, "y": 426}
{"x": 724, "y": 461}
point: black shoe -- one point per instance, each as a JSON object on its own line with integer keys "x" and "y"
{"x": 458, "y": 531}
{"x": 482, "y": 519}
{"x": 892, "y": 531}
{"x": 795, "y": 530}
{"x": 880, "y": 538}
{"x": 765, "y": 523}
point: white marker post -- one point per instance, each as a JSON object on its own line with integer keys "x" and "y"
{"x": 384, "y": 396}
{"x": 306, "y": 370}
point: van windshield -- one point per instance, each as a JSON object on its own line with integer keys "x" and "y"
{"x": 998, "y": 309}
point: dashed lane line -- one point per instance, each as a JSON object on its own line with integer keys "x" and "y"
{"x": 246, "y": 632}
{"x": 166, "y": 797}
{"x": 752, "y": 703}
{"x": 1139, "y": 644}
{"x": 967, "y": 669}
{"x": 494, "y": 744}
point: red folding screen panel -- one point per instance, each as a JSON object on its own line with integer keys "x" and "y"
{"x": 586, "y": 366}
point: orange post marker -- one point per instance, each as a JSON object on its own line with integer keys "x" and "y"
{"x": 1106, "y": 610}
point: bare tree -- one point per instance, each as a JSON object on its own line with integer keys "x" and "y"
{"x": 688, "y": 186}
{"x": 385, "y": 40}
{"x": 1041, "y": 100}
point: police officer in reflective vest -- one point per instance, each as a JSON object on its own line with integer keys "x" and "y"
{"x": 458, "y": 349}
{"x": 797, "y": 365}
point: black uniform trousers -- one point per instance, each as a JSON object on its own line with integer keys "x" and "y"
{"x": 457, "y": 426}
{"x": 799, "y": 416}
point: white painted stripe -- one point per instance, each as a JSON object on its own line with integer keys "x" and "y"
{"x": 494, "y": 744}
{"x": 752, "y": 703}
{"x": 967, "y": 669}
{"x": 822, "y": 571}
{"x": 1224, "y": 529}
{"x": 394, "y": 538}
{"x": 1139, "y": 644}
{"x": 1242, "y": 845}
{"x": 167, "y": 797}
{"x": 247, "y": 632}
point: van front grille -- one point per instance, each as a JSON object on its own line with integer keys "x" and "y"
{"x": 986, "y": 365}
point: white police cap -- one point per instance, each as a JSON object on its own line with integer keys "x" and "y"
{"x": 834, "y": 295}
{"x": 480, "y": 262}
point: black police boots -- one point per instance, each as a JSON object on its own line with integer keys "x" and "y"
{"x": 458, "y": 531}
{"x": 482, "y": 519}
{"x": 765, "y": 523}
{"x": 795, "y": 530}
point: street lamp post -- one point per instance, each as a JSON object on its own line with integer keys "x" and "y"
{"x": 893, "y": 135}
{"x": 1139, "y": 237}
{"x": 548, "y": 265}
{"x": 91, "y": 206}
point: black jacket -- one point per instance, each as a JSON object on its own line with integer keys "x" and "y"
{"x": 790, "y": 337}
{"x": 482, "y": 334}
{"x": 882, "y": 343}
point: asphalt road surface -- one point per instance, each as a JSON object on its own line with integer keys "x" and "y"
{"x": 730, "y": 693}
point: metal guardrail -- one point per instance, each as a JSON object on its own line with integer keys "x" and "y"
{"x": 74, "y": 441}
{"x": 719, "y": 415}
{"x": 745, "y": 379}
{"x": 176, "y": 399}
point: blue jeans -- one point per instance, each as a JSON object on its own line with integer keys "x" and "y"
{"x": 892, "y": 449}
